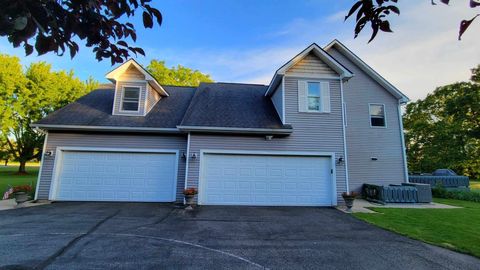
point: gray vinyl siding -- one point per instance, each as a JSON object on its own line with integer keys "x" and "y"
{"x": 118, "y": 97}
{"x": 57, "y": 139}
{"x": 152, "y": 98}
{"x": 315, "y": 132}
{"x": 277, "y": 101}
{"x": 311, "y": 65}
{"x": 363, "y": 141}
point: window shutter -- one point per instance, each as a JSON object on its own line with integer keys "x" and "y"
{"x": 302, "y": 96}
{"x": 325, "y": 90}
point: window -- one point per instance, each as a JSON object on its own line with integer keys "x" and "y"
{"x": 131, "y": 97}
{"x": 377, "y": 115}
{"x": 313, "y": 96}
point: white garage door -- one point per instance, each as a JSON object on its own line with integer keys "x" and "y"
{"x": 233, "y": 179}
{"x": 116, "y": 176}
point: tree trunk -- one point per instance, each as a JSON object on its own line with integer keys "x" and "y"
{"x": 6, "y": 162}
{"x": 21, "y": 168}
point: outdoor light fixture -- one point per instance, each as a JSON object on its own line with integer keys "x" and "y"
{"x": 48, "y": 153}
{"x": 340, "y": 160}
{"x": 184, "y": 156}
{"x": 268, "y": 137}
{"x": 194, "y": 156}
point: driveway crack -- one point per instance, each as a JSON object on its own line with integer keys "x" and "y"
{"x": 70, "y": 244}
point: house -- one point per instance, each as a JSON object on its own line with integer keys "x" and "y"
{"x": 326, "y": 123}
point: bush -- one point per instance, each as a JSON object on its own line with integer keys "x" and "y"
{"x": 464, "y": 195}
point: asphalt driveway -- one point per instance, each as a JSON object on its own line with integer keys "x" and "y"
{"x": 158, "y": 236}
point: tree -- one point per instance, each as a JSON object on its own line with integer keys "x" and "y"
{"x": 179, "y": 75}
{"x": 56, "y": 26}
{"x": 443, "y": 130}
{"x": 376, "y": 12}
{"x": 29, "y": 96}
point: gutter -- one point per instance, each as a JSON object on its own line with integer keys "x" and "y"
{"x": 105, "y": 128}
{"x": 264, "y": 131}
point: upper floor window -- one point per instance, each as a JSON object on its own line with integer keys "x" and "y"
{"x": 131, "y": 99}
{"x": 377, "y": 115}
{"x": 313, "y": 96}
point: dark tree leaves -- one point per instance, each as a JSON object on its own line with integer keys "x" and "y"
{"x": 375, "y": 12}
{"x": 464, "y": 26}
{"x": 54, "y": 26}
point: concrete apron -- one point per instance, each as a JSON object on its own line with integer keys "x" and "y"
{"x": 11, "y": 204}
{"x": 361, "y": 206}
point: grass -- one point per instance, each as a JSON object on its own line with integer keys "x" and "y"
{"x": 456, "y": 229}
{"x": 8, "y": 176}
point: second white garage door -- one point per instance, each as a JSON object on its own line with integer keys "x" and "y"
{"x": 115, "y": 176}
{"x": 243, "y": 179}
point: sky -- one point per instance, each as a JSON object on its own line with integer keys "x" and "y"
{"x": 246, "y": 41}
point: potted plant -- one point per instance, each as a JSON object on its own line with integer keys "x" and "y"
{"x": 189, "y": 194}
{"x": 349, "y": 197}
{"x": 21, "y": 193}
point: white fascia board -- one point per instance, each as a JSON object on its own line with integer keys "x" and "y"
{"x": 105, "y": 128}
{"x": 282, "y": 131}
{"x": 367, "y": 69}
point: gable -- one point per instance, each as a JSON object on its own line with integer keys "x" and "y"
{"x": 338, "y": 50}
{"x": 131, "y": 73}
{"x": 311, "y": 65}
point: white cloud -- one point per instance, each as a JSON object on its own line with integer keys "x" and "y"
{"x": 420, "y": 55}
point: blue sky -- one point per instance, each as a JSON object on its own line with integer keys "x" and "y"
{"x": 246, "y": 41}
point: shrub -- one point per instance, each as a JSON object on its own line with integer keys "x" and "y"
{"x": 22, "y": 188}
{"x": 464, "y": 195}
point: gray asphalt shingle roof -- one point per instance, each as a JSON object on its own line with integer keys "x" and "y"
{"x": 231, "y": 105}
{"x": 95, "y": 109}
{"x": 210, "y": 105}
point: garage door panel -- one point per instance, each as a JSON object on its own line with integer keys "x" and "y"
{"x": 266, "y": 180}
{"x": 116, "y": 176}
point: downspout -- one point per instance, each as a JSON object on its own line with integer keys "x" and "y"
{"x": 404, "y": 152}
{"x": 344, "y": 137}
{"x": 187, "y": 158}
{"x": 41, "y": 165}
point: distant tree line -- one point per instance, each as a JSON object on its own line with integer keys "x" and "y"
{"x": 443, "y": 129}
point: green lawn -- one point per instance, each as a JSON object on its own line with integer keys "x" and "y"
{"x": 456, "y": 229}
{"x": 8, "y": 177}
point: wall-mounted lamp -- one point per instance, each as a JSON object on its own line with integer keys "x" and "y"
{"x": 194, "y": 156}
{"x": 268, "y": 137}
{"x": 340, "y": 160}
{"x": 374, "y": 158}
{"x": 48, "y": 153}
{"x": 184, "y": 156}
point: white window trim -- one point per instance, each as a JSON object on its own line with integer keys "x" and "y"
{"x": 121, "y": 110}
{"x": 384, "y": 115}
{"x": 321, "y": 101}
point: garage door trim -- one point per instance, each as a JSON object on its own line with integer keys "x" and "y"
{"x": 57, "y": 164}
{"x": 331, "y": 155}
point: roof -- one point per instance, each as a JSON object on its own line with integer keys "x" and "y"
{"x": 232, "y": 105}
{"x": 95, "y": 109}
{"x": 343, "y": 72}
{"x": 367, "y": 69}
{"x": 225, "y": 107}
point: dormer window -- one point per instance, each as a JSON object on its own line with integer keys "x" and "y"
{"x": 131, "y": 99}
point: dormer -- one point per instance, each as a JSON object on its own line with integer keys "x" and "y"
{"x": 136, "y": 90}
